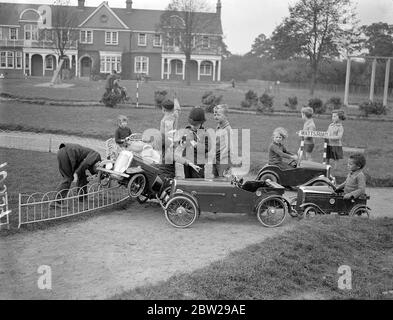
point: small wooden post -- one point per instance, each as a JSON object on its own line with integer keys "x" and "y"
{"x": 386, "y": 87}
{"x": 372, "y": 85}
{"x": 347, "y": 79}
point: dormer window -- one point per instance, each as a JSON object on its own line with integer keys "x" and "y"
{"x": 142, "y": 39}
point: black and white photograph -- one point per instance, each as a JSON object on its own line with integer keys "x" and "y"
{"x": 197, "y": 156}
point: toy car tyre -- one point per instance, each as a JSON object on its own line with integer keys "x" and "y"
{"x": 310, "y": 212}
{"x": 181, "y": 211}
{"x": 269, "y": 176}
{"x": 271, "y": 211}
{"x": 360, "y": 211}
{"x": 292, "y": 210}
{"x": 136, "y": 185}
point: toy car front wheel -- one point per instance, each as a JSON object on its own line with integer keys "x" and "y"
{"x": 271, "y": 211}
{"x": 181, "y": 211}
{"x": 269, "y": 176}
{"x": 310, "y": 212}
{"x": 136, "y": 185}
{"x": 360, "y": 211}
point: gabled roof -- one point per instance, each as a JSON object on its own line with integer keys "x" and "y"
{"x": 137, "y": 19}
{"x": 104, "y": 7}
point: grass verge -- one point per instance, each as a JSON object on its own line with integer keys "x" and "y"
{"x": 301, "y": 264}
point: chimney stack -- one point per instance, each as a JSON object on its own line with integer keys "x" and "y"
{"x": 81, "y": 4}
{"x": 129, "y": 5}
{"x": 218, "y": 8}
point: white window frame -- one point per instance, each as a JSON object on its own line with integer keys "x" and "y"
{"x": 46, "y": 65}
{"x": 154, "y": 40}
{"x": 112, "y": 40}
{"x": 32, "y": 29}
{"x": 18, "y": 59}
{"x": 204, "y": 68}
{"x": 84, "y": 38}
{"x": 109, "y": 62}
{"x": 1, "y": 33}
{"x": 172, "y": 41}
{"x": 203, "y": 42}
{"x": 141, "y": 36}
{"x": 141, "y": 60}
{"x": 177, "y": 62}
{"x": 3, "y": 59}
{"x": 27, "y": 62}
{"x": 16, "y": 33}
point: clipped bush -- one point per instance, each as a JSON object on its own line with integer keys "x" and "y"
{"x": 334, "y": 103}
{"x": 317, "y": 105}
{"x": 375, "y": 107}
{"x": 210, "y": 100}
{"x": 159, "y": 97}
{"x": 292, "y": 103}
{"x": 250, "y": 99}
{"x": 266, "y": 101}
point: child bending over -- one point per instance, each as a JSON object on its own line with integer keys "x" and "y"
{"x": 277, "y": 151}
{"x": 355, "y": 184}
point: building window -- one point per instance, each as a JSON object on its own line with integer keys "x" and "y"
{"x": 157, "y": 40}
{"x": 178, "y": 67}
{"x": 13, "y": 33}
{"x": 205, "y": 42}
{"x": 27, "y": 61}
{"x": 206, "y": 68}
{"x": 141, "y": 65}
{"x": 142, "y": 39}
{"x": 49, "y": 62}
{"x": 86, "y": 36}
{"x": 31, "y": 32}
{"x": 3, "y": 59}
{"x": 18, "y": 60}
{"x": 193, "y": 42}
{"x": 174, "y": 41}
{"x": 7, "y": 59}
{"x": 111, "y": 37}
{"x": 109, "y": 63}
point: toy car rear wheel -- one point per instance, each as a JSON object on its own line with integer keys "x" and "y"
{"x": 310, "y": 212}
{"x": 360, "y": 211}
{"x": 181, "y": 211}
{"x": 269, "y": 176}
{"x": 136, "y": 185}
{"x": 271, "y": 211}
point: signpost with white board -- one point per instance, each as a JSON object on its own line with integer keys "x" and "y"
{"x": 314, "y": 134}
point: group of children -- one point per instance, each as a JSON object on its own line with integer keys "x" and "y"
{"x": 184, "y": 149}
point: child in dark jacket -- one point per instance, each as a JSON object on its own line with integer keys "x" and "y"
{"x": 122, "y": 132}
{"x": 277, "y": 151}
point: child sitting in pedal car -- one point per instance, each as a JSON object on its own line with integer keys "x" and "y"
{"x": 355, "y": 184}
{"x": 277, "y": 151}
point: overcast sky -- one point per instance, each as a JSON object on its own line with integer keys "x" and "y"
{"x": 244, "y": 20}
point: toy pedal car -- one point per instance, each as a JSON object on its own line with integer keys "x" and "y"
{"x": 190, "y": 197}
{"x": 137, "y": 173}
{"x": 313, "y": 200}
{"x": 303, "y": 173}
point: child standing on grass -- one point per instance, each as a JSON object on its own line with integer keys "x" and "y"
{"x": 170, "y": 119}
{"x": 122, "y": 132}
{"x": 355, "y": 184}
{"x": 335, "y": 131}
{"x": 277, "y": 151}
{"x": 309, "y": 125}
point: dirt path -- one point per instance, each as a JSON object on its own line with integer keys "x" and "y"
{"x": 114, "y": 251}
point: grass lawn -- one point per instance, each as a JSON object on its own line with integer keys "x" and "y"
{"x": 84, "y": 90}
{"x": 301, "y": 264}
{"x": 376, "y": 137}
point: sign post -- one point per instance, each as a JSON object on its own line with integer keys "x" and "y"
{"x": 314, "y": 134}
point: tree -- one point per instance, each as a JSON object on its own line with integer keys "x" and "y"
{"x": 63, "y": 31}
{"x": 262, "y": 47}
{"x": 378, "y": 39}
{"x": 316, "y": 29}
{"x": 181, "y": 23}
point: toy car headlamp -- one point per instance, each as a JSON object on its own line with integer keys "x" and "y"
{"x": 109, "y": 165}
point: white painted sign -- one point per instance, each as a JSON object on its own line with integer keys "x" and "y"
{"x": 313, "y": 134}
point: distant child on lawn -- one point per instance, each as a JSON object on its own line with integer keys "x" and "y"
{"x": 355, "y": 184}
{"x": 170, "y": 119}
{"x": 122, "y": 132}
{"x": 277, "y": 151}
{"x": 335, "y": 131}
{"x": 309, "y": 125}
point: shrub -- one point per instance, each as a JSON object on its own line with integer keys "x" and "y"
{"x": 291, "y": 104}
{"x": 210, "y": 100}
{"x": 334, "y": 103}
{"x": 159, "y": 97}
{"x": 266, "y": 103}
{"x": 250, "y": 99}
{"x": 375, "y": 107}
{"x": 317, "y": 105}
